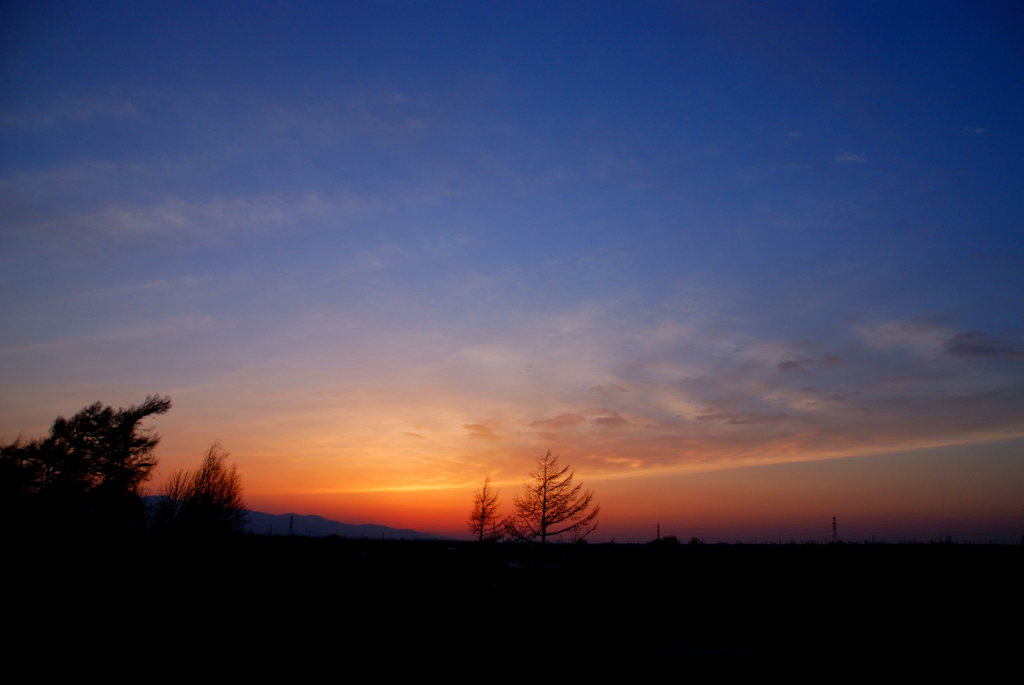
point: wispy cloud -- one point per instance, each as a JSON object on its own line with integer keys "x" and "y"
{"x": 480, "y": 431}
{"x": 825, "y": 361}
{"x": 611, "y": 419}
{"x": 565, "y": 420}
{"x": 200, "y": 225}
{"x": 918, "y": 335}
{"x": 850, "y": 157}
{"x": 734, "y": 419}
{"x": 977, "y": 345}
{"x": 67, "y": 109}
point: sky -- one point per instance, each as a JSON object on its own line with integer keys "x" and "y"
{"x": 745, "y": 266}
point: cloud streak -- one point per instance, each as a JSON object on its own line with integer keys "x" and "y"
{"x": 979, "y": 346}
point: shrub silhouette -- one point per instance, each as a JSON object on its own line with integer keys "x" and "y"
{"x": 205, "y": 501}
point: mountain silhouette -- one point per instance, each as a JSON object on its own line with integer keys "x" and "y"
{"x": 262, "y": 523}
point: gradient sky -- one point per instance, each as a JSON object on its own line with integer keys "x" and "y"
{"x": 745, "y": 266}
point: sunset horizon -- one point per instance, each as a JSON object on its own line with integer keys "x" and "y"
{"x": 743, "y": 266}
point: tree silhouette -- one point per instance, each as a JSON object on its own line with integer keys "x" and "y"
{"x": 207, "y": 500}
{"x": 88, "y": 472}
{"x": 552, "y": 505}
{"x": 483, "y": 521}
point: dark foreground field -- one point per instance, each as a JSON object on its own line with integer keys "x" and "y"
{"x": 402, "y": 602}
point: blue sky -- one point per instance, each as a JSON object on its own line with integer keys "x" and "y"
{"x": 399, "y": 246}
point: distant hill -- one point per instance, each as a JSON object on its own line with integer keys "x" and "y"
{"x": 261, "y": 523}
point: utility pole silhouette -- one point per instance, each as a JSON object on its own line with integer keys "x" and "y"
{"x": 835, "y": 535}
{"x": 659, "y": 532}
{"x": 291, "y": 524}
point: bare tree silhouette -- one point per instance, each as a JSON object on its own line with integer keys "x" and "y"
{"x": 207, "y": 500}
{"x": 552, "y": 505}
{"x": 483, "y": 521}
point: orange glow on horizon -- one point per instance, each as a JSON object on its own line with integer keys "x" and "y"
{"x": 868, "y": 494}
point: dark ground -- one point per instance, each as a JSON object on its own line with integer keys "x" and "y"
{"x": 402, "y": 602}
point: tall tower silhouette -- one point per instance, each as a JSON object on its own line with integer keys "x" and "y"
{"x": 835, "y": 535}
